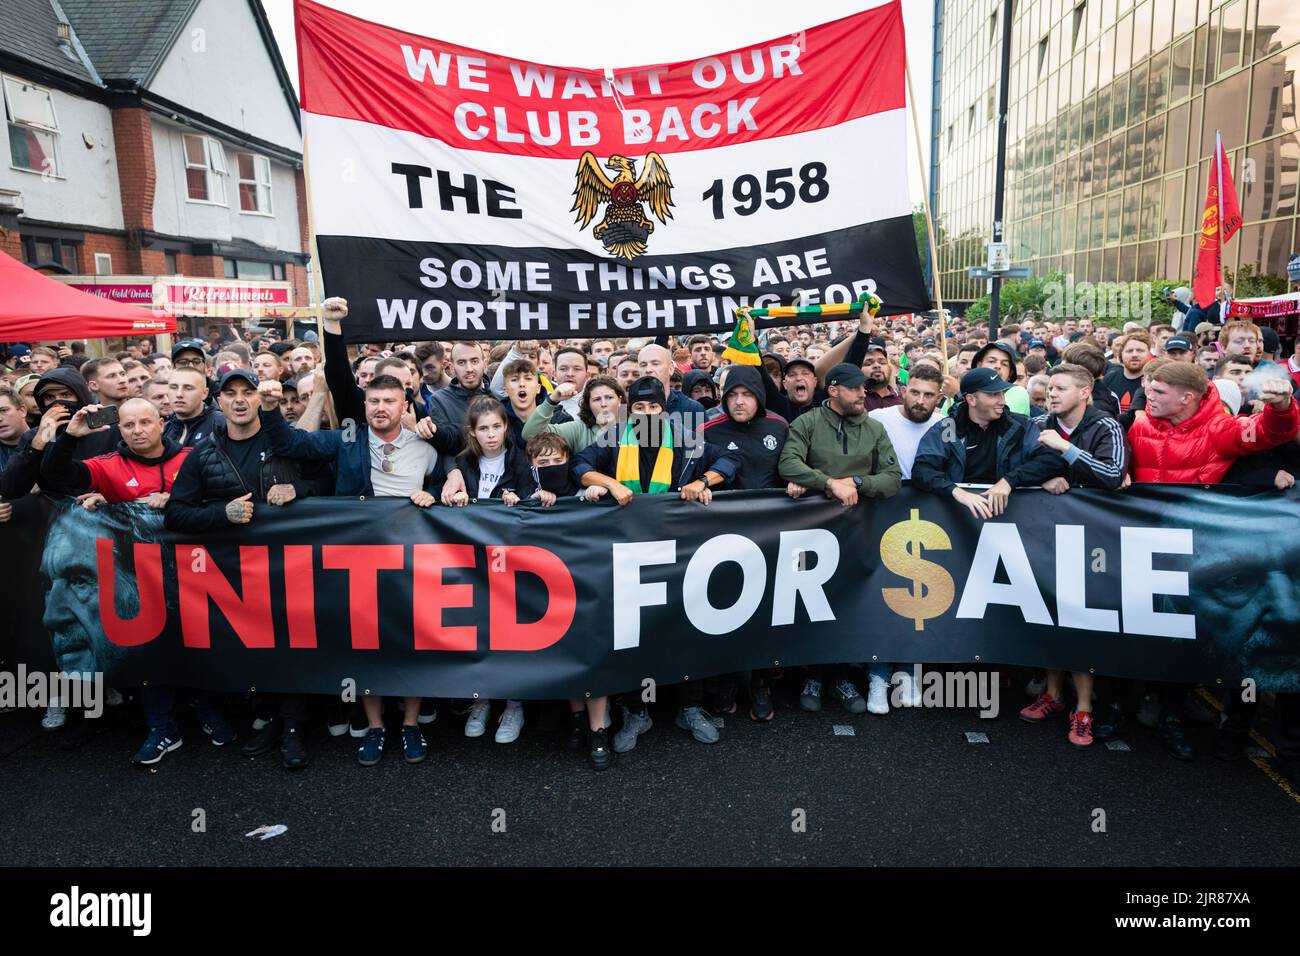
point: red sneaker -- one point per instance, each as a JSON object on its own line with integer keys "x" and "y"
{"x": 1044, "y": 707}
{"x": 1080, "y": 735}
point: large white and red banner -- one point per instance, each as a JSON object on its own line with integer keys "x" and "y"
{"x": 461, "y": 194}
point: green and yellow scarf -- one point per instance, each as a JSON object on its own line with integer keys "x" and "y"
{"x": 628, "y": 469}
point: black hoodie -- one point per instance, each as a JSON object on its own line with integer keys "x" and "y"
{"x": 695, "y": 377}
{"x": 23, "y": 471}
{"x": 755, "y": 444}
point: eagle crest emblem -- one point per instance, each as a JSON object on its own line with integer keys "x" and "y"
{"x": 625, "y": 229}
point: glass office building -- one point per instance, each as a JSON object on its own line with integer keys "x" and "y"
{"x": 1112, "y": 114}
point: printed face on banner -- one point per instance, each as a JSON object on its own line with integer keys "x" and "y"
{"x": 459, "y": 194}
{"x": 69, "y": 568}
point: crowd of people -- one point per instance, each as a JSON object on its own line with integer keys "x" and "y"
{"x": 219, "y": 429}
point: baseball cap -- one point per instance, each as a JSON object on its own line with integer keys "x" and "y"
{"x": 647, "y": 388}
{"x": 1037, "y": 344}
{"x": 237, "y": 373}
{"x": 983, "y": 380}
{"x": 846, "y": 375}
{"x": 801, "y": 361}
{"x": 1206, "y": 327}
{"x": 877, "y": 347}
{"x": 1178, "y": 343}
{"x": 189, "y": 345}
{"x": 18, "y": 351}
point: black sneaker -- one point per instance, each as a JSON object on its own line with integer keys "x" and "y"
{"x": 1175, "y": 741}
{"x": 358, "y": 725}
{"x": 577, "y": 730}
{"x": 1109, "y": 723}
{"x": 761, "y": 707}
{"x": 293, "y": 749}
{"x": 724, "y": 699}
{"x": 599, "y": 749}
{"x": 1231, "y": 745}
{"x": 263, "y": 741}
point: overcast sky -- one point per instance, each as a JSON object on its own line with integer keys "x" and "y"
{"x": 568, "y": 33}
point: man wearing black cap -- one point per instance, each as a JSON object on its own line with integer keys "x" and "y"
{"x": 649, "y": 453}
{"x": 839, "y": 451}
{"x": 801, "y": 388}
{"x": 222, "y": 482}
{"x": 986, "y": 445}
{"x": 1001, "y": 357}
{"x": 1179, "y": 349}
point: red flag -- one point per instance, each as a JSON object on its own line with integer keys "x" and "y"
{"x": 1219, "y": 223}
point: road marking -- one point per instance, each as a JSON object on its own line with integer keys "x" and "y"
{"x": 843, "y": 730}
{"x": 976, "y": 738}
{"x": 1118, "y": 745}
{"x": 1264, "y": 746}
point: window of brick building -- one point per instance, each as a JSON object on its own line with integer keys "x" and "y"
{"x": 254, "y": 183}
{"x": 33, "y": 127}
{"x": 205, "y": 169}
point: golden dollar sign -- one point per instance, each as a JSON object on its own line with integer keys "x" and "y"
{"x": 932, "y": 588}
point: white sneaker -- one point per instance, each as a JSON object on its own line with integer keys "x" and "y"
{"x": 511, "y": 722}
{"x": 55, "y": 717}
{"x": 878, "y": 695}
{"x": 479, "y": 711}
{"x": 909, "y": 695}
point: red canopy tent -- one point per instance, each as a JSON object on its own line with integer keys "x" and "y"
{"x": 35, "y": 308}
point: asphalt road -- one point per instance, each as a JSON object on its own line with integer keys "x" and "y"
{"x": 904, "y": 789}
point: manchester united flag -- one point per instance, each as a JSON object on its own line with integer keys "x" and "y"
{"x": 1219, "y": 223}
{"x": 460, "y": 194}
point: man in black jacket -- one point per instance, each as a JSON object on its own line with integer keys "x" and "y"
{"x": 192, "y": 419}
{"x": 752, "y": 435}
{"x": 221, "y": 482}
{"x": 747, "y": 431}
{"x": 59, "y": 393}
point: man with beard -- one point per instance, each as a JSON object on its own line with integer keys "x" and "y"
{"x": 839, "y": 451}
{"x": 879, "y": 393}
{"x": 651, "y": 454}
{"x": 907, "y": 422}
{"x": 1125, "y": 379}
{"x": 222, "y": 482}
{"x": 702, "y": 358}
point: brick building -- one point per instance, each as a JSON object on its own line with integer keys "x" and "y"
{"x": 153, "y": 154}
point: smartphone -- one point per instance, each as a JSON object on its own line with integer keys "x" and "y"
{"x": 105, "y": 416}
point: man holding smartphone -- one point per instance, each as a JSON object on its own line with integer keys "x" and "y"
{"x": 143, "y": 467}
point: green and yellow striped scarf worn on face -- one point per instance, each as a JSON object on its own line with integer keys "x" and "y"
{"x": 628, "y": 469}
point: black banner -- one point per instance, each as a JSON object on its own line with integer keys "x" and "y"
{"x": 1171, "y": 582}
{"x": 422, "y": 290}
